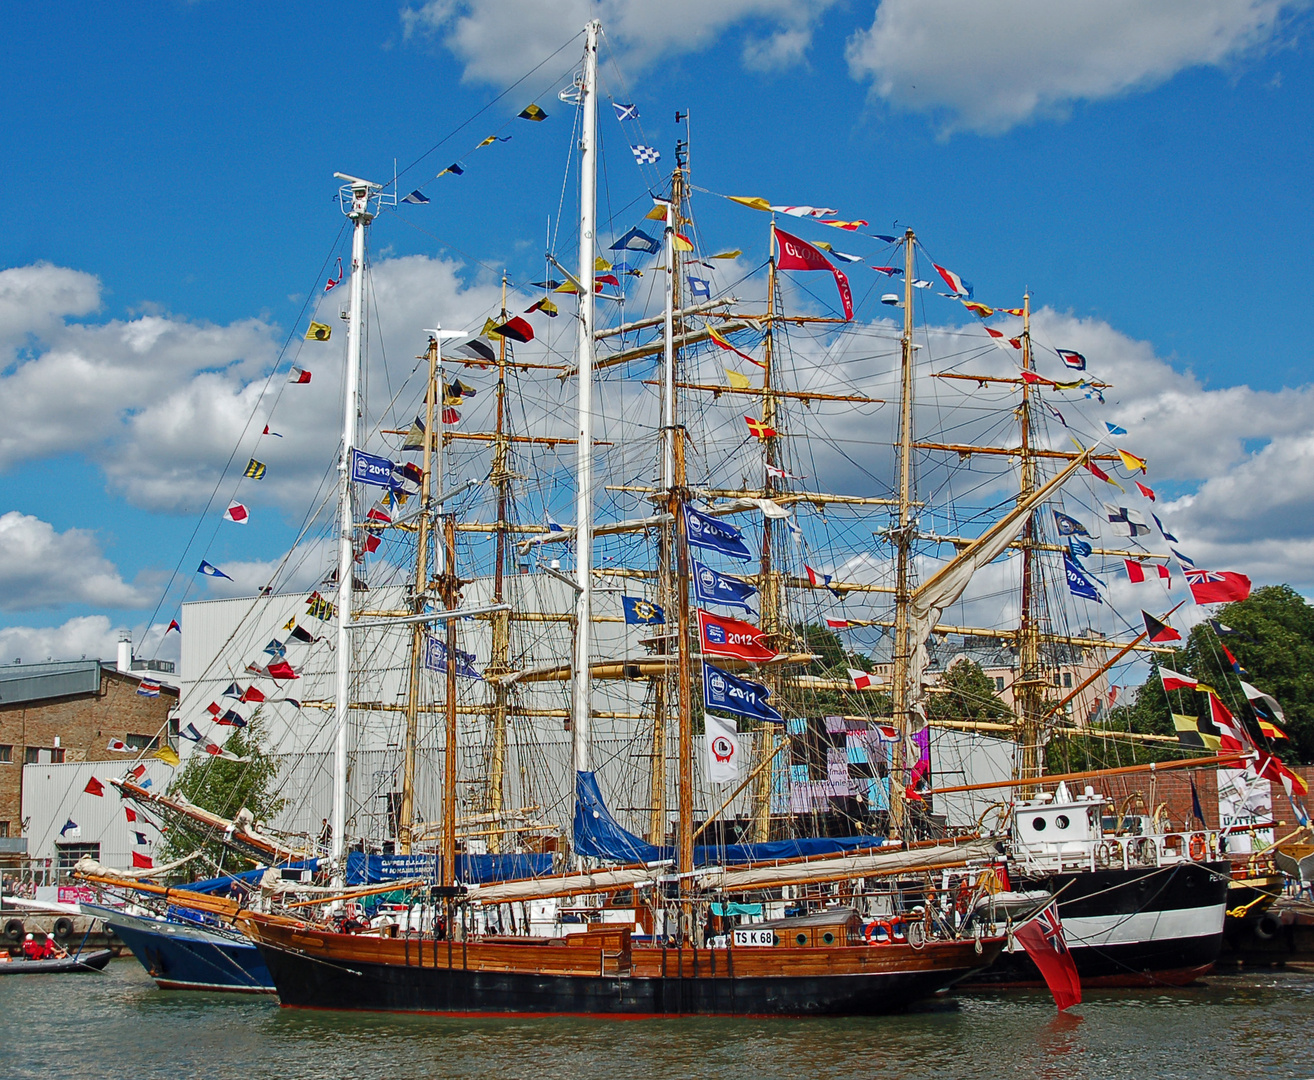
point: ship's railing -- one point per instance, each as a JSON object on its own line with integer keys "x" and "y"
{"x": 1123, "y": 852}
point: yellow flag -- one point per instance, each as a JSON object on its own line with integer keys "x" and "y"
{"x": 168, "y": 755}
{"x": 823, "y": 245}
{"x": 683, "y": 243}
{"x": 737, "y": 380}
{"x": 318, "y": 331}
{"x": 658, "y": 212}
{"x": 490, "y": 328}
{"x": 600, "y": 263}
{"x": 751, "y": 201}
{"x": 726, "y": 254}
{"x": 1132, "y": 462}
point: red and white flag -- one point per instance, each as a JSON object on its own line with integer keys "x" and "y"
{"x": 1216, "y": 586}
{"x": 1147, "y": 492}
{"x": 1232, "y": 735}
{"x": 796, "y": 254}
{"x": 237, "y": 512}
{"x": 298, "y": 376}
{"x": 722, "y": 636}
{"x": 954, "y": 282}
{"x": 333, "y": 283}
{"x": 1042, "y": 937}
{"x": 861, "y": 679}
{"x": 118, "y": 746}
{"x": 1136, "y": 571}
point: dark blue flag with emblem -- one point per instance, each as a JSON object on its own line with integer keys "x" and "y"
{"x": 1078, "y": 549}
{"x": 704, "y": 531}
{"x": 435, "y": 658}
{"x": 641, "y": 612}
{"x": 713, "y": 588}
{"x": 1069, "y": 526}
{"x": 1079, "y": 584}
{"x": 731, "y": 694}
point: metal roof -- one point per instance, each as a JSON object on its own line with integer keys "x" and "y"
{"x": 40, "y": 682}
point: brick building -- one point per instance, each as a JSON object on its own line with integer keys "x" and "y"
{"x": 68, "y": 711}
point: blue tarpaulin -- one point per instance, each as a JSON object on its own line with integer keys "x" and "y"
{"x": 470, "y": 869}
{"x": 248, "y": 877}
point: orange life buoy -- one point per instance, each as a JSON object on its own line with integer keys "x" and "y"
{"x": 897, "y": 931}
{"x": 878, "y": 932}
{"x": 1197, "y": 847}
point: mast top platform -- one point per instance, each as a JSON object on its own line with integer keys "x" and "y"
{"x": 356, "y": 196}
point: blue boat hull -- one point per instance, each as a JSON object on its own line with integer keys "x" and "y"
{"x": 181, "y": 956}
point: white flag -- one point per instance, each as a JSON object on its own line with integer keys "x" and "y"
{"x": 722, "y": 750}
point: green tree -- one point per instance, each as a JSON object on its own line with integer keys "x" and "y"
{"x": 224, "y": 787}
{"x": 967, "y": 693}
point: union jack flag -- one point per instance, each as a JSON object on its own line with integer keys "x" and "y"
{"x": 1199, "y": 577}
{"x": 1052, "y": 927}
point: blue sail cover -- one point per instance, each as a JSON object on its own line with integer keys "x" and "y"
{"x": 598, "y": 836}
{"x": 597, "y": 833}
{"x": 365, "y": 869}
{"x": 247, "y": 877}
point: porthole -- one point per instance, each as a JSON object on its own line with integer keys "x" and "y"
{"x": 1062, "y": 821}
{"x": 1038, "y": 824}
{"x": 801, "y": 939}
{"x": 828, "y": 938}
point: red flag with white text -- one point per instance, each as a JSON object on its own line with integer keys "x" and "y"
{"x": 796, "y": 254}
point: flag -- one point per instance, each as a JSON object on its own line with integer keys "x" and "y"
{"x": 320, "y": 608}
{"x": 889, "y": 271}
{"x": 1073, "y": 360}
{"x": 752, "y": 202}
{"x": 1231, "y": 733}
{"x": 450, "y": 416}
{"x": 636, "y": 240}
{"x": 1079, "y": 584}
{"x": 722, "y": 749}
{"x": 148, "y": 688}
{"x": 1236, "y": 664}
{"x": 1173, "y": 680}
{"x": 1266, "y": 709}
{"x": 1099, "y": 473}
{"x": 1162, "y": 531}
{"x": 841, "y": 624}
{"x": 1147, "y": 492}
{"x": 70, "y": 829}
{"x": 1216, "y": 586}
{"x": 731, "y": 694}
{"x": 732, "y": 254}
{"x": 817, "y": 579}
{"x": 1042, "y": 938}
{"x": 118, "y": 746}
{"x": 517, "y": 329}
{"x": 276, "y": 648}
{"x": 455, "y": 168}
{"x": 719, "y": 340}
{"x": 416, "y": 198}
{"x": 847, "y": 226}
{"x": 231, "y": 718}
{"x": 140, "y": 837}
{"x": 681, "y": 242}
{"x": 236, "y": 512}
{"x": 796, "y": 254}
{"x": 435, "y": 658}
{"x": 137, "y": 772}
{"x": 213, "y": 709}
{"x": 1114, "y": 429}
{"x": 1197, "y": 811}
{"x": 805, "y": 211}
{"x": 476, "y": 349}
{"x": 861, "y": 679}
{"x": 489, "y": 142}
{"x": 722, "y": 636}
{"x": 1158, "y": 631}
{"x": 142, "y": 862}
{"x": 173, "y": 625}
{"x": 1270, "y": 768}
{"x": 190, "y": 733}
{"x": 318, "y": 331}
{"x": 1125, "y": 522}
{"x": 532, "y": 112}
{"x": 252, "y": 695}
{"x": 959, "y": 286}
{"x": 1136, "y": 571}
{"x": 1069, "y": 526}
{"x": 333, "y": 283}
{"x": 971, "y": 305}
{"x": 1223, "y": 630}
{"x": 233, "y": 691}
{"x": 779, "y": 473}
{"x": 255, "y": 470}
{"x": 300, "y": 633}
{"x": 1078, "y": 549}
{"x": 215, "y": 750}
{"x": 415, "y": 435}
{"x": 94, "y": 787}
{"x": 168, "y": 755}
{"x": 759, "y": 429}
{"x": 704, "y": 531}
{"x": 699, "y": 287}
{"x": 737, "y": 380}
{"x": 625, "y": 112}
{"x": 546, "y": 306}
{"x": 131, "y": 814}
{"x": 640, "y": 612}
{"x": 282, "y": 670}
{"x": 297, "y": 377}
{"x": 645, "y": 155}
{"x": 1131, "y": 462}
{"x": 612, "y": 279}
{"x": 712, "y": 587}
{"x": 371, "y": 469}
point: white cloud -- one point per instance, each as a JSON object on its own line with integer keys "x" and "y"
{"x": 987, "y": 67}
{"x": 40, "y": 567}
{"x": 86, "y": 637}
{"x": 36, "y": 298}
{"x": 500, "y": 40}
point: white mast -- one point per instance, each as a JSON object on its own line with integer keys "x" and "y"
{"x": 355, "y": 196}
{"x": 580, "y": 691}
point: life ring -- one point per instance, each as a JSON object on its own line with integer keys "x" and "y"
{"x": 15, "y": 930}
{"x": 1197, "y": 847}
{"x": 63, "y": 928}
{"x": 878, "y": 932}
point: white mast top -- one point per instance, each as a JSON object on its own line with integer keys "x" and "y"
{"x": 581, "y": 698}
{"x": 356, "y": 197}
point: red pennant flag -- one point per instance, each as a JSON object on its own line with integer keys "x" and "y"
{"x": 1042, "y": 937}
{"x": 138, "y": 772}
{"x": 1232, "y": 735}
{"x": 173, "y": 625}
{"x": 796, "y": 254}
{"x": 132, "y": 814}
{"x": 722, "y": 636}
{"x": 94, "y": 787}
{"x": 1149, "y": 494}
{"x": 1156, "y": 631}
{"x": 213, "y": 709}
{"x": 142, "y": 862}
{"x": 282, "y": 670}
{"x": 251, "y": 693}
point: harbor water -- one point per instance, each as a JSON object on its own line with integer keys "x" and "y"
{"x": 1257, "y": 1024}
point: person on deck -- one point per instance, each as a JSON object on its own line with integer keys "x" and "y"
{"x": 51, "y": 951}
{"x": 31, "y": 949}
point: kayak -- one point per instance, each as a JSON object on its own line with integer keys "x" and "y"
{"x": 70, "y": 965}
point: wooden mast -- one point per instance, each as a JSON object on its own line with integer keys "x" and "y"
{"x": 902, "y": 536}
{"x": 769, "y": 579}
{"x": 406, "y": 813}
{"x": 498, "y": 663}
{"x": 1028, "y": 689}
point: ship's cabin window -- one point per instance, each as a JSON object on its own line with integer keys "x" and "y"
{"x": 801, "y": 939}
{"x": 1062, "y": 821}
{"x": 1038, "y": 824}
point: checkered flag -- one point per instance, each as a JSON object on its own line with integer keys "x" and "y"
{"x": 645, "y": 155}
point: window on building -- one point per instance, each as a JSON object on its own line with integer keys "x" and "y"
{"x": 4, "y": 829}
{"x": 43, "y": 755}
{"x": 69, "y": 854}
{"x": 7, "y": 754}
{"x": 57, "y": 755}
{"x": 1067, "y": 680}
{"x": 31, "y": 755}
{"x": 142, "y": 742}
{"x": 999, "y": 682}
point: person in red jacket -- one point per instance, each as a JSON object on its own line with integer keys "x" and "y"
{"x": 51, "y": 951}
{"x": 31, "y": 949}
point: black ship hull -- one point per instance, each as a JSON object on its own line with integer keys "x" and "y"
{"x": 313, "y": 983}
{"x": 1150, "y": 926}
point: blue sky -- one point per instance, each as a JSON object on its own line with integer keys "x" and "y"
{"x": 182, "y": 154}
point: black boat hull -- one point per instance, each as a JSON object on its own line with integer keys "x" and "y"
{"x": 64, "y": 965}
{"x": 1157, "y": 926}
{"x": 312, "y": 983}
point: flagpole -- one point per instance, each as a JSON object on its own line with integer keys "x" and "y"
{"x": 359, "y": 193}
{"x": 581, "y": 696}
